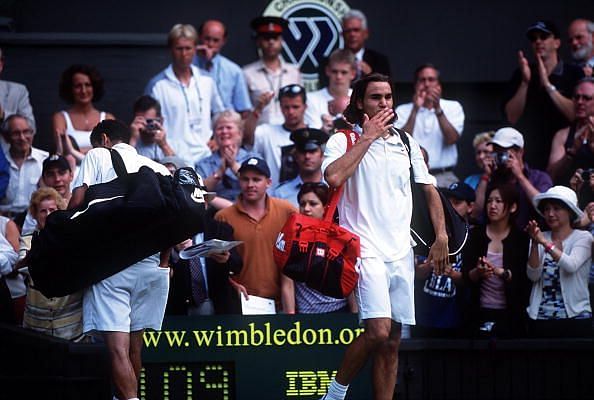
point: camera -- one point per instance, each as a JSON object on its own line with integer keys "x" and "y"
{"x": 152, "y": 125}
{"x": 501, "y": 158}
{"x": 586, "y": 174}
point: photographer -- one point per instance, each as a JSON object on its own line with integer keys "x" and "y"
{"x": 148, "y": 135}
{"x": 507, "y": 166}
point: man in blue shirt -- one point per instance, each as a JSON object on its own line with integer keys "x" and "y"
{"x": 228, "y": 76}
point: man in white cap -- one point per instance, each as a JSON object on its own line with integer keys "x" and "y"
{"x": 507, "y": 165}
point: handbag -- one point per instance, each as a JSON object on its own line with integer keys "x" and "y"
{"x": 120, "y": 223}
{"x": 318, "y": 252}
{"x": 421, "y": 227}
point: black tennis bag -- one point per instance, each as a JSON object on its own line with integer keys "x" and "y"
{"x": 120, "y": 223}
{"x": 421, "y": 227}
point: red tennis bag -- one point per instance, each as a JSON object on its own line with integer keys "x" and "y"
{"x": 319, "y": 252}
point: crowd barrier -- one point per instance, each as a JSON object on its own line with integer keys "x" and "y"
{"x": 294, "y": 357}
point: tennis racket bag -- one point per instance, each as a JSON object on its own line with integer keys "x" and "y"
{"x": 120, "y": 223}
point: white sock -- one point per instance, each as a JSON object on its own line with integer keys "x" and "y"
{"x": 336, "y": 391}
{"x": 134, "y": 398}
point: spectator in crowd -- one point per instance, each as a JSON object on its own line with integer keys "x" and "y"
{"x": 355, "y": 33}
{"x": 482, "y": 153}
{"x": 581, "y": 38}
{"x": 188, "y": 98}
{"x": 80, "y": 86}
{"x": 56, "y": 174}
{"x": 312, "y": 198}
{"x": 434, "y": 122}
{"x": 270, "y": 73}
{"x": 340, "y": 71}
{"x": 122, "y": 306}
{"x": 228, "y": 76}
{"x": 14, "y": 98}
{"x": 200, "y": 285}
{"x": 56, "y": 316}
{"x": 375, "y": 173}
{"x": 507, "y": 165}
{"x": 269, "y": 139}
{"x": 493, "y": 265}
{"x": 309, "y": 153}
{"x": 220, "y": 169}
{"x": 440, "y": 300}
{"x": 538, "y": 98}
{"x": 148, "y": 134}
{"x": 558, "y": 266}
{"x": 256, "y": 219}
{"x": 570, "y": 149}
{"x": 25, "y": 163}
{"x": 9, "y": 246}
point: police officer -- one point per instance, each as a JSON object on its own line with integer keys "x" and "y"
{"x": 309, "y": 153}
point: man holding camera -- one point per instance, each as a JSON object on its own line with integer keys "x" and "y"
{"x": 507, "y": 165}
{"x": 148, "y": 134}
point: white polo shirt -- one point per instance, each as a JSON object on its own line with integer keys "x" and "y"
{"x": 97, "y": 166}
{"x": 428, "y": 133}
{"x": 377, "y": 202}
{"x": 187, "y": 111}
{"x": 268, "y": 141}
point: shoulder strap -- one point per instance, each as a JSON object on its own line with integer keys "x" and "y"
{"x": 69, "y": 125}
{"x": 118, "y": 163}
{"x": 404, "y": 138}
{"x": 352, "y": 137}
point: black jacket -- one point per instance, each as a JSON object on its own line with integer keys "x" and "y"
{"x": 515, "y": 257}
{"x": 224, "y": 297}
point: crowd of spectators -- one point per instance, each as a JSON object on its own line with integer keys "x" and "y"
{"x": 257, "y": 139}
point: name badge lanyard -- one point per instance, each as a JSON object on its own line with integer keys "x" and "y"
{"x": 271, "y": 83}
{"x": 194, "y": 122}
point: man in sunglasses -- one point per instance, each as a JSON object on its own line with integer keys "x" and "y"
{"x": 538, "y": 99}
{"x": 570, "y": 149}
{"x": 270, "y": 140}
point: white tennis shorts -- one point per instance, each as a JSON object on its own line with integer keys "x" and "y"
{"x": 386, "y": 289}
{"x": 131, "y": 300}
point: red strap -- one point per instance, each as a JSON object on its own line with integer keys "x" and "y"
{"x": 352, "y": 137}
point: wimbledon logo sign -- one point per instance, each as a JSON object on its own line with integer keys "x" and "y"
{"x": 314, "y": 31}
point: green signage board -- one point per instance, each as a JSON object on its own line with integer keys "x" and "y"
{"x": 248, "y": 357}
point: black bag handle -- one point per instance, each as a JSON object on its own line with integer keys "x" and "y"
{"x": 118, "y": 163}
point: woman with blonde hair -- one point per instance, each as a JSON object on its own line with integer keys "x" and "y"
{"x": 219, "y": 170}
{"x": 56, "y": 316}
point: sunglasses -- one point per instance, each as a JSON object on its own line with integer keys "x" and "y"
{"x": 578, "y": 97}
{"x": 295, "y": 89}
{"x": 539, "y": 35}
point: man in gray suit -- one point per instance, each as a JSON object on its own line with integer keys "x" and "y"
{"x": 14, "y": 98}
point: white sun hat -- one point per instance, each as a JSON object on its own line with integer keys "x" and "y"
{"x": 561, "y": 193}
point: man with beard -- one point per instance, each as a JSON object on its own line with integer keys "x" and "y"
{"x": 581, "y": 36}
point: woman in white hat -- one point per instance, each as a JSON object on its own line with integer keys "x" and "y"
{"x": 558, "y": 267}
